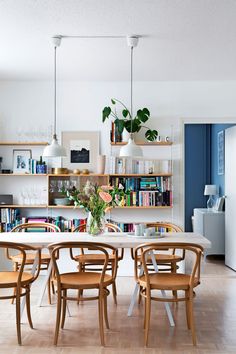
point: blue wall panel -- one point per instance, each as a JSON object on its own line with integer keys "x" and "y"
{"x": 197, "y": 168}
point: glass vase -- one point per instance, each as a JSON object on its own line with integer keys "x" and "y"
{"x": 95, "y": 224}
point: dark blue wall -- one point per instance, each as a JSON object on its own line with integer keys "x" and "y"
{"x": 197, "y": 168}
{"x": 201, "y": 165}
{"x": 219, "y": 180}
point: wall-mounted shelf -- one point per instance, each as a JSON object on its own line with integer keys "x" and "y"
{"x": 143, "y": 207}
{"x": 140, "y": 175}
{"x": 23, "y": 174}
{"x": 29, "y": 206}
{"x": 21, "y": 143}
{"x": 144, "y": 143}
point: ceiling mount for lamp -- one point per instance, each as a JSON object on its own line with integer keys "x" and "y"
{"x": 55, "y": 149}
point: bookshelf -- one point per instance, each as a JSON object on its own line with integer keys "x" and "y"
{"x": 13, "y": 183}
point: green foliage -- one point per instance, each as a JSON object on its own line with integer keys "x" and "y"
{"x": 131, "y": 124}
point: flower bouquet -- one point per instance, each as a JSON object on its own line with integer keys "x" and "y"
{"x": 97, "y": 200}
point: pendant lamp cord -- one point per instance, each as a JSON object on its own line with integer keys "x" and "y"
{"x": 55, "y": 92}
{"x": 131, "y": 89}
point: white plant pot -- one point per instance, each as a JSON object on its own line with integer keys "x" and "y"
{"x": 125, "y": 135}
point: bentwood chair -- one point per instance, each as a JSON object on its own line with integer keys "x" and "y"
{"x": 20, "y": 280}
{"x": 80, "y": 280}
{"x": 94, "y": 261}
{"x": 150, "y": 282}
{"x": 45, "y": 257}
{"x": 167, "y": 260}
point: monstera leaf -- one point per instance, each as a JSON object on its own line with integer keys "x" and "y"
{"x": 151, "y": 135}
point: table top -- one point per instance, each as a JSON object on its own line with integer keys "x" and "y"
{"x": 116, "y": 239}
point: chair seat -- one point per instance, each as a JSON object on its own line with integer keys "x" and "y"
{"x": 164, "y": 258}
{"x": 9, "y": 279}
{"x": 84, "y": 280}
{"x": 168, "y": 281}
{"x": 93, "y": 258}
{"x": 45, "y": 258}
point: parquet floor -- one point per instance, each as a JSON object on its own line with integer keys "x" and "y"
{"x": 215, "y": 315}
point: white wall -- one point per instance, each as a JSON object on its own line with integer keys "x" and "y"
{"x": 28, "y": 106}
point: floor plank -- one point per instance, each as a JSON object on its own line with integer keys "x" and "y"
{"x": 215, "y": 316}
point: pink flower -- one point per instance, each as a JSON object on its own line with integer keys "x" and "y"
{"x": 107, "y": 188}
{"x": 106, "y": 197}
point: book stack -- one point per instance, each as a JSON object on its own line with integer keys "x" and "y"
{"x": 9, "y": 217}
{"x": 115, "y": 136}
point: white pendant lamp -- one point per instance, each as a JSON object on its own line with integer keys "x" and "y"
{"x": 131, "y": 149}
{"x": 54, "y": 149}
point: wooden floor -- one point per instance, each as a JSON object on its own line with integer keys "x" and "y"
{"x": 215, "y": 314}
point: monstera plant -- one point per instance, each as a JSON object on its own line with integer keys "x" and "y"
{"x": 126, "y": 121}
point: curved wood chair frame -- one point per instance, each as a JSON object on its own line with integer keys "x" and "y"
{"x": 20, "y": 280}
{"x": 168, "y": 281}
{"x": 84, "y": 280}
{"x": 92, "y": 262}
{"x": 45, "y": 257}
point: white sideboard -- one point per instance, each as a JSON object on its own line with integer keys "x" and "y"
{"x": 211, "y": 224}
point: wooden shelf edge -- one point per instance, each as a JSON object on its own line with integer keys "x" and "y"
{"x": 143, "y": 207}
{"x": 153, "y": 143}
{"x": 23, "y": 174}
{"x": 21, "y": 143}
{"x": 77, "y": 175}
{"x": 22, "y": 206}
{"x": 141, "y": 175}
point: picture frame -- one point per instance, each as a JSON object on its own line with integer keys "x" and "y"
{"x": 82, "y": 150}
{"x": 219, "y": 204}
{"x": 21, "y": 161}
{"x": 221, "y": 152}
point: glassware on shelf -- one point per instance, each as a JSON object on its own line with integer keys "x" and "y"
{"x": 60, "y": 186}
{"x": 53, "y": 186}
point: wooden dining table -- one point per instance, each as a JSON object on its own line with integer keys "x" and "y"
{"x": 116, "y": 239}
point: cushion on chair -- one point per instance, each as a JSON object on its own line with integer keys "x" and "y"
{"x": 168, "y": 281}
{"x": 85, "y": 280}
{"x": 9, "y": 279}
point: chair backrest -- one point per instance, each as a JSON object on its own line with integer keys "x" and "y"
{"x": 101, "y": 248}
{"x": 22, "y": 248}
{"x": 39, "y": 225}
{"x": 145, "y": 250}
{"x": 168, "y": 226}
{"x": 109, "y": 226}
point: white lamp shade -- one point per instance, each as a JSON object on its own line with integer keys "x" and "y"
{"x": 210, "y": 189}
{"x": 131, "y": 149}
{"x": 54, "y": 149}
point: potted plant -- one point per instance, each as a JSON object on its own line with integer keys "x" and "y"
{"x": 131, "y": 124}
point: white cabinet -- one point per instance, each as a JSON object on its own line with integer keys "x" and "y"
{"x": 211, "y": 224}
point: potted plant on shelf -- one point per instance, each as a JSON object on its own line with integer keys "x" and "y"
{"x": 133, "y": 124}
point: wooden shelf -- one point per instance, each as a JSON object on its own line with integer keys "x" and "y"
{"x": 76, "y": 175}
{"x": 143, "y": 207}
{"x": 23, "y": 174}
{"x": 140, "y": 175}
{"x": 144, "y": 143}
{"x": 23, "y": 206}
{"x": 62, "y": 207}
{"x": 21, "y": 143}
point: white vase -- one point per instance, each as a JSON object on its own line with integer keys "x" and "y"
{"x": 125, "y": 135}
{"x": 101, "y": 164}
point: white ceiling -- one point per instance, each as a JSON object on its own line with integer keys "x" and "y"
{"x": 183, "y": 39}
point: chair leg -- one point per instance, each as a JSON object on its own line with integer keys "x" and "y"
{"x": 49, "y": 291}
{"x": 28, "y": 307}
{"x": 174, "y": 270}
{"x": 114, "y": 292}
{"x": 187, "y": 308}
{"x": 100, "y": 312}
{"x": 139, "y": 295}
{"x": 105, "y": 310}
{"x": 58, "y": 316}
{"x": 64, "y": 293}
{"x": 147, "y": 316}
{"x": 18, "y": 317}
{"x": 191, "y": 318}
{"x": 15, "y": 268}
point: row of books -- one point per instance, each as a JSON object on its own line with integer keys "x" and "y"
{"x": 129, "y": 227}
{"x": 159, "y": 183}
{"x": 148, "y": 198}
{"x": 123, "y": 165}
{"x": 10, "y": 217}
{"x": 115, "y": 135}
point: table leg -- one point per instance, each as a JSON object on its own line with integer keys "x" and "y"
{"x": 44, "y": 285}
{"x": 33, "y": 270}
{"x": 134, "y": 296}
